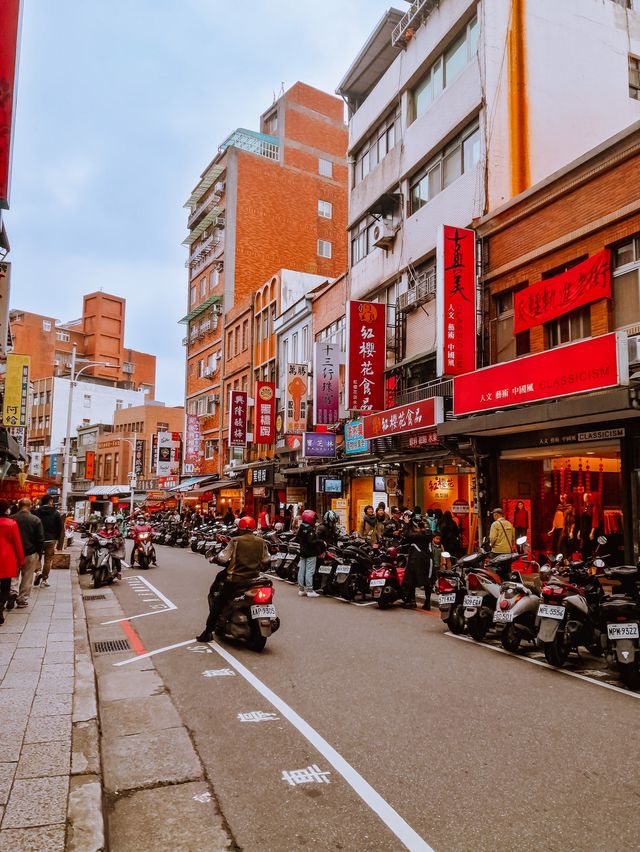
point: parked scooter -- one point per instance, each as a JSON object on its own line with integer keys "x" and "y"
{"x": 386, "y": 580}
{"x": 87, "y": 554}
{"x": 620, "y": 625}
{"x": 483, "y": 585}
{"x": 451, "y": 586}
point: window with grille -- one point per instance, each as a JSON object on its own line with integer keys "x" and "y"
{"x": 626, "y": 283}
{"x": 508, "y": 345}
{"x": 634, "y": 78}
{"x": 325, "y": 167}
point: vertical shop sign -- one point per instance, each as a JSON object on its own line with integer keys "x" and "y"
{"x": 326, "y": 372}
{"x": 192, "y": 458}
{"x": 5, "y": 291}
{"x": 354, "y": 440}
{"x": 456, "y": 301}
{"x": 139, "y": 459}
{"x": 90, "y": 465}
{"x": 296, "y": 403}
{"x": 366, "y": 332}
{"x": 168, "y": 460}
{"x": 154, "y": 452}
{"x": 237, "y": 418}
{"x": 9, "y": 36}
{"x": 265, "y": 413}
{"x": 16, "y": 390}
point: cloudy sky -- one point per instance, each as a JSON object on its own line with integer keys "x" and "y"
{"x": 121, "y": 104}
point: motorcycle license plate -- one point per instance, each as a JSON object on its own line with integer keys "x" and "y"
{"x": 472, "y": 601}
{"x": 343, "y": 569}
{"x": 501, "y": 617}
{"x": 547, "y": 611}
{"x": 263, "y": 611}
{"x": 623, "y": 631}
{"x": 374, "y": 583}
{"x": 443, "y": 600}
{"x": 324, "y": 569}
{"x": 276, "y": 557}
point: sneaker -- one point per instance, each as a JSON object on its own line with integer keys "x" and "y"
{"x": 313, "y": 594}
{"x": 12, "y": 601}
{"x": 37, "y": 578}
{"x": 45, "y": 583}
{"x": 22, "y": 604}
{"x": 301, "y": 593}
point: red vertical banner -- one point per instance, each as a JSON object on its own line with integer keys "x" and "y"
{"x": 90, "y": 465}
{"x": 9, "y": 34}
{"x": 456, "y": 301}
{"x": 367, "y": 355}
{"x": 237, "y": 418}
{"x": 264, "y": 413}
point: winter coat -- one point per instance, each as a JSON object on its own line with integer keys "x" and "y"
{"x": 245, "y": 557}
{"x": 327, "y": 533}
{"x": 31, "y": 532}
{"x": 450, "y": 534}
{"x": 308, "y": 540}
{"x": 371, "y": 528}
{"x": 502, "y": 536}
{"x": 51, "y": 522}
{"x": 419, "y": 555}
{"x": 11, "y": 552}
{"x": 521, "y": 519}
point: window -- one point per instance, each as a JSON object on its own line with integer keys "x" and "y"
{"x": 99, "y": 471}
{"x": 202, "y": 405}
{"x": 87, "y": 401}
{"x": 325, "y": 167}
{"x": 508, "y": 346}
{"x": 265, "y": 325}
{"x": 118, "y": 404}
{"x": 245, "y": 335}
{"x": 377, "y": 146}
{"x": 214, "y": 279}
{"x": 212, "y": 362}
{"x": 294, "y": 348}
{"x": 324, "y": 248}
{"x": 626, "y": 283}
{"x": 193, "y": 295}
{"x": 201, "y": 368}
{"x": 325, "y": 209}
{"x": 634, "y": 78}
{"x": 271, "y": 122}
{"x": 46, "y": 325}
{"x": 116, "y": 466}
{"x": 459, "y": 156}
{"x": 575, "y": 325}
{"x": 229, "y": 343}
{"x": 285, "y": 352}
{"x": 445, "y": 69}
{"x": 191, "y": 408}
{"x": 236, "y": 345}
{"x": 305, "y": 343}
{"x": 244, "y": 384}
{"x": 209, "y": 449}
{"x": 203, "y": 287}
{"x": 64, "y": 336}
{"x": 211, "y": 405}
{"x": 108, "y": 462}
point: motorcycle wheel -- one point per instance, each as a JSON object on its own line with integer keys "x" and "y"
{"x": 194, "y": 547}
{"x": 630, "y": 676}
{"x": 350, "y": 589}
{"x": 256, "y": 640}
{"x": 385, "y": 600}
{"x": 455, "y": 622}
{"x": 556, "y": 653}
{"x": 82, "y": 565}
{"x": 477, "y": 627}
{"x": 97, "y": 578}
{"x": 143, "y": 562}
{"x": 510, "y": 639}
{"x": 282, "y": 572}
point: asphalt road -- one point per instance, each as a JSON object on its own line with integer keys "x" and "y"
{"x": 436, "y": 738}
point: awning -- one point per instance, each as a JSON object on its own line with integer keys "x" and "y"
{"x": 9, "y": 447}
{"x": 202, "y": 226}
{"x": 107, "y": 490}
{"x": 207, "y": 179}
{"x": 192, "y": 483}
{"x": 212, "y": 300}
{"x": 226, "y": 483}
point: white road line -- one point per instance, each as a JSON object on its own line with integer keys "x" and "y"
{"x": 153, "y": 653}
{"x": 391, "y": 818}
{"x": 544, "y": 665}
{"x": 169, "y": 605}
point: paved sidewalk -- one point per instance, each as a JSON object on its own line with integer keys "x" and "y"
{"x": 50, "y": 790}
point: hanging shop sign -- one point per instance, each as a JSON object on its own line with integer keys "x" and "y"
{"x": 35, "y": 463}
{"x": 139, "y": 459}
{"x": 168, "y": 453}
{"x": 594, "y": 364}
{"x": 192, "y": 456}
{"x": 237, "y": 418}
{"x": 10, "y": 33}
{"x": 296, "y": 399}
{"x": 12, "y": 489}
{"x": 5, "y": 291}
{"x": 265, "y": 413}
{"x": 16, "y": 390}
{"x": 319, "y": 445}
{"x": 366, "y": 333}
{"x": 326, "y": 379}
{"x": 424, "y": 439}
{"x": 553, "y": 297}
{"x": 405, "y": 418}
{"x": 260, "y": 476}
{"x": 456, "y": 301}
{"x": 90, "y": 465}
{"x": 354, "y": 440}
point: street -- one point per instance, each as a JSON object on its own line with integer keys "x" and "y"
{"x": 363, "y": 729}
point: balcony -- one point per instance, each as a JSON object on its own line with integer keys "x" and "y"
{"x": 256, "y": 143}
{"x": 429, "y": 390}
{"x": 417, "y": 14}
{"x": 423, "y": 291}
{"x": 209, "y": 202}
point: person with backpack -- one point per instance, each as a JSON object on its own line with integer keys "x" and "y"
{"x": 310, "y": 548}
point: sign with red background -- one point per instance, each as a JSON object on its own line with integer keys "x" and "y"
{"x": 403, "y": 418}
{"x": 9, "y": 32}
{"x": 576, "y": 368}
{"x": 264, "y": 413}
{"x": 237, "y": 418}
{"x": 553, "y": 297}
{"x": 90, "y": 465}
{"x": 456, "y": 301}
{"x": 367, "y": 355}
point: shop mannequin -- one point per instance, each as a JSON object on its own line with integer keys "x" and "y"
{"x": 589, "y": 520}
{"x": 557, "y": 527}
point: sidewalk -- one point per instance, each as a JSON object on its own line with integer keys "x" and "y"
{"x": 50, "y": 786}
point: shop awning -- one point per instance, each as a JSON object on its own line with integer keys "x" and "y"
{"x": 107, "y": 490}
{"x": 225, "y": 483}
{"x": 192, "y": 483}
{"x": 212, "y": 300}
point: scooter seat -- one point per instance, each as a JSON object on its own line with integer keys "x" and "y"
{"x": 621, "y": 571}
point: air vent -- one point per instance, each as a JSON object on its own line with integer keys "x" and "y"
{"x": 111, "y": 647}
{"x": 94, "y": 598}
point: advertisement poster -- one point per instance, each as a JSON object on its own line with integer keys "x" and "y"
{"x": 237, "y": 418}
{"x": 456, "y": 301}
{"x": 296, "y": 399}
{"x": 168, "y": 453}
{"x": 16, "y": 390}
{"x": 326, "y": 381}
{"x": 265, "y": 413}
{"x": 192, "y": 457}
{"x": 354, "y": 440}
{"x": 367, "y": 353}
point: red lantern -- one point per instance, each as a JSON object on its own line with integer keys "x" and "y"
{"x": 579, "y": 473}
{"x": 569, "y": 479}
{"x": 588, "y": 478}
{"x": 600, "y": 479}
{"x": 562, "y": 479}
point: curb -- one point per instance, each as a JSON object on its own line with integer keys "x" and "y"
{"x": 85, "y": 817}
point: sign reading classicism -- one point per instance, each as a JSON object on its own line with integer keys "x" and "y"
{"x": 456, "y": 301}
{"x": 367, "y": 349}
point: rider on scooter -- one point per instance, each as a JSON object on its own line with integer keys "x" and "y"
{"x": 141, "y": 526}
{"x": 245, "y": 557}
{"x": 110, "y": 530}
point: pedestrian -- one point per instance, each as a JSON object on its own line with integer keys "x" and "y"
{"x": 382, "y": 507}
{"x": 52, "y": 526}
{"x": 431, "y": 521}
{"x": 371, "y": 527}
{"x": 297, "y": 519}
{"x": 418, "y": 570}
{"x": 393, "y": 529}
{"x": 310, "y": 549}
{"x": 501, "y": 535}
{"x": 450, "y": 534}
{"x": 288, "y": 517}
{"x": 520, "y": 522}
{"x": 229, "y": 517}
{"x": 264, "y": 519}
{"x": 11, "y": 554}
{"x": 436, "y": 553}
{"x": 32, "y": 538}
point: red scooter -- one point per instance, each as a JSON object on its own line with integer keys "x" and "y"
{"x": 385, "y": 581}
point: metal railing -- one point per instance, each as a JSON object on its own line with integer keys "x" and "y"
{"x": 418, "y": 12}
{"x": 423, "y": 291}
{"x": 428, "y": 390}
{"x": 210, "y": 201}
{"x": 255, "y": 143}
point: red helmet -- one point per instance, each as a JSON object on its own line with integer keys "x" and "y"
{"x": 246, "y": 523}
{"x": 309, "y": 516}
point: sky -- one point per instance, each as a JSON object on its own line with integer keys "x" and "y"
{"x": 121, "y": 105}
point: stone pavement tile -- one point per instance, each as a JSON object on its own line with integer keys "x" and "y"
{"x": 132, "y": 716}
{"x": 13, "y": 721}
{"x": 32, "y": 666}
{"x": 123, "y": 684}
{"x": 39, "y": 760}
{"x": 51, "y": 705}
{"x": 20, "y": 680}
{"x": 37, "y": 801}
{"x": 5, "y": 637}
{"x": 14, "y": 624}
{"x": 58, "y": 657}
{"x": 7, "y": 771}
{"x": 10, "y": 747}
{"x": 152, "y": 758}
{"x": 14, "y": 698}
{"x": 43, "y": 729}
{"x": 6, "y": 652}
{"x": 55, "y": 686}
{"x": 134, "y": 823}
{"x": 58, "y": 670}
{"x": 59, "y": 637}
{"x": 37, "y": 640}
{"x": 61, "y": 624}
{"x": 28, "y": 654}
{"x": 3, "y": 671}
{"x": 48, "y": 839}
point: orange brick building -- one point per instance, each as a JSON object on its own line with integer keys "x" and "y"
{"x": 270, "y": 199}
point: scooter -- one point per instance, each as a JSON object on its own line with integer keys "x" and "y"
{"x": 144, "y": 551}
{"x": 251, "y": 616}
{"x": 451, "y": 588}
{"x": 106, "y": 567}
{"x": 483, "y": 584}
{"x": 386, "y": 580}
{"x": 87, "y": 555}
{"x": 620, "y": 634}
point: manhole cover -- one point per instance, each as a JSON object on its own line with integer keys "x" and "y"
{"x": 94, "y": 598}
{"x": 111, "y": 646}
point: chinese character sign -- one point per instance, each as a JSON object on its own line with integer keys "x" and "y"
{"x": 264, "y": 431}
{"x": 90, "y": 465}
{"x": 9, "y": 32}
{"x": 553, "y": 297}
{"x": 423, "y": 414}
{"x": 5, "y": 289}
{"x": 326, "y": 373}
{"x": 192, "y": 457}
{"x": 319, "y": 445}
{"x": 168, "y": 444}
{"x": 237, "y": 418}
{"x": 139, "y": 459}
{"x": 296, "y": 402}
{"x": 456, "y": 301}
{"x": 354, "y": 440}
{"x": 367, "y": 356}
{"x": 16, "y": 390}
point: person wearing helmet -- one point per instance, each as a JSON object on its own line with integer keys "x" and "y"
{"x": 110, "y": 530}
{"x": 244, "y": 558}
{"x": 328, "y": 529}
{"x": 310, "y": 548}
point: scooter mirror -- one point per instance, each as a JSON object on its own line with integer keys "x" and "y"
{"x": 446, "y": 554}
{"x": 598, "y": 563}
{"x": 522, "y": 540}
{"x": 602, "y": 539}
{"x": 559, "y": 557}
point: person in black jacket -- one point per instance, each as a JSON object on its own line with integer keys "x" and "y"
{"x": 32, "y": 537}
{"x": 418, "y": 570}
{"x": 310, "y": 549}
{"x": 52, "y": 525}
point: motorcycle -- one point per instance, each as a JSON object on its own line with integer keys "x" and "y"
{"x": 483, "y": 585}
{"x": 144, "y": 551}
{"x": 451, "y": 588}
{"x": 620, "y": 626}
{"x": 251, "y": 616}
{"x": 106, "y": 567}
{"x": 386, "y": 580}
{"x": 87, "y": 555}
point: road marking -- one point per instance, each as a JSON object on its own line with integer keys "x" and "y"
{"x": 219, "y": 673}
{"x": 257, "y": 716}
{"x": 169, "y": 605}
{"x": 134, "y": 639}
{"x": 153, "y": 653}
{"x": 310, "y": 775}
{"x": 545, "y": 665}
{"x": 391, "y": 818}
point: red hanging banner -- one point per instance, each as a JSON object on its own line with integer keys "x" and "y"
{"x": 553, "y": 297}
{"x": 265, "y": 413}
{"x": 237, "y": 418}
{"x": 367, "y": 355}
{"x": 9, "y": 34}
{"x": 90, "y": 465}
{"x": 456, "y": 301}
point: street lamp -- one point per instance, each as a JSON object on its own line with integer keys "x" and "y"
{"x": 67, "y": 440}
{"x": 132, "y": 474}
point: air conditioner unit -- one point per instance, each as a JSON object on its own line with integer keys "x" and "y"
{"x": 207, "y": 371}
{"x": 217, "y": 309}
{"x": 216, "y": 398}
{"x": 205, "y": 234}
{"x": 219, "y": 187}
{"x": 634, "y": 349}
{"x": 384, "y": 234}
{"x": 57, "y": 363}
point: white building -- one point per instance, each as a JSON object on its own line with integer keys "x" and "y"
{"x": 456, "y": 107}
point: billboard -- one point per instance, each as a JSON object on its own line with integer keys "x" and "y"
{"x": 16, "y": 390}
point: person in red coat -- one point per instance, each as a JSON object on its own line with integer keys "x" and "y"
{"x": 11, "y": 554}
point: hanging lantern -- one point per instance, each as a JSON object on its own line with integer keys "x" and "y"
{"x": 600, "y": 478}
{"x": 556, "y": 480}
{"x": 562, "y": 479}
{"x": 569, "y": 482}
{"x": 588, "y": 478}
{"x": 579, "y": 473}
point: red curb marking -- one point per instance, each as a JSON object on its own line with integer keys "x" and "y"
{"x": 133, "y": 638}
{"x": 428, "y": 612}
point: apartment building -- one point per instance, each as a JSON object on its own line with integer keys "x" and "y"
{"x": 270, "y": 199}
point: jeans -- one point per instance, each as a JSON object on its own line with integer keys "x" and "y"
{"x": 306, "y": 569}
{"x": 23, "y": 587}
{"x": 49, "y": 550}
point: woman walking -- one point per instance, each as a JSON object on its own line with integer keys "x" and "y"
{"x": 11, "y": 555}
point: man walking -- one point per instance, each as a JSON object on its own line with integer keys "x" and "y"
{"x": 52, "y": 525}
{"x": 32, "y": 538}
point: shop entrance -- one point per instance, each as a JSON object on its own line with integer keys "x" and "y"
{"x": 566, "y": 496}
